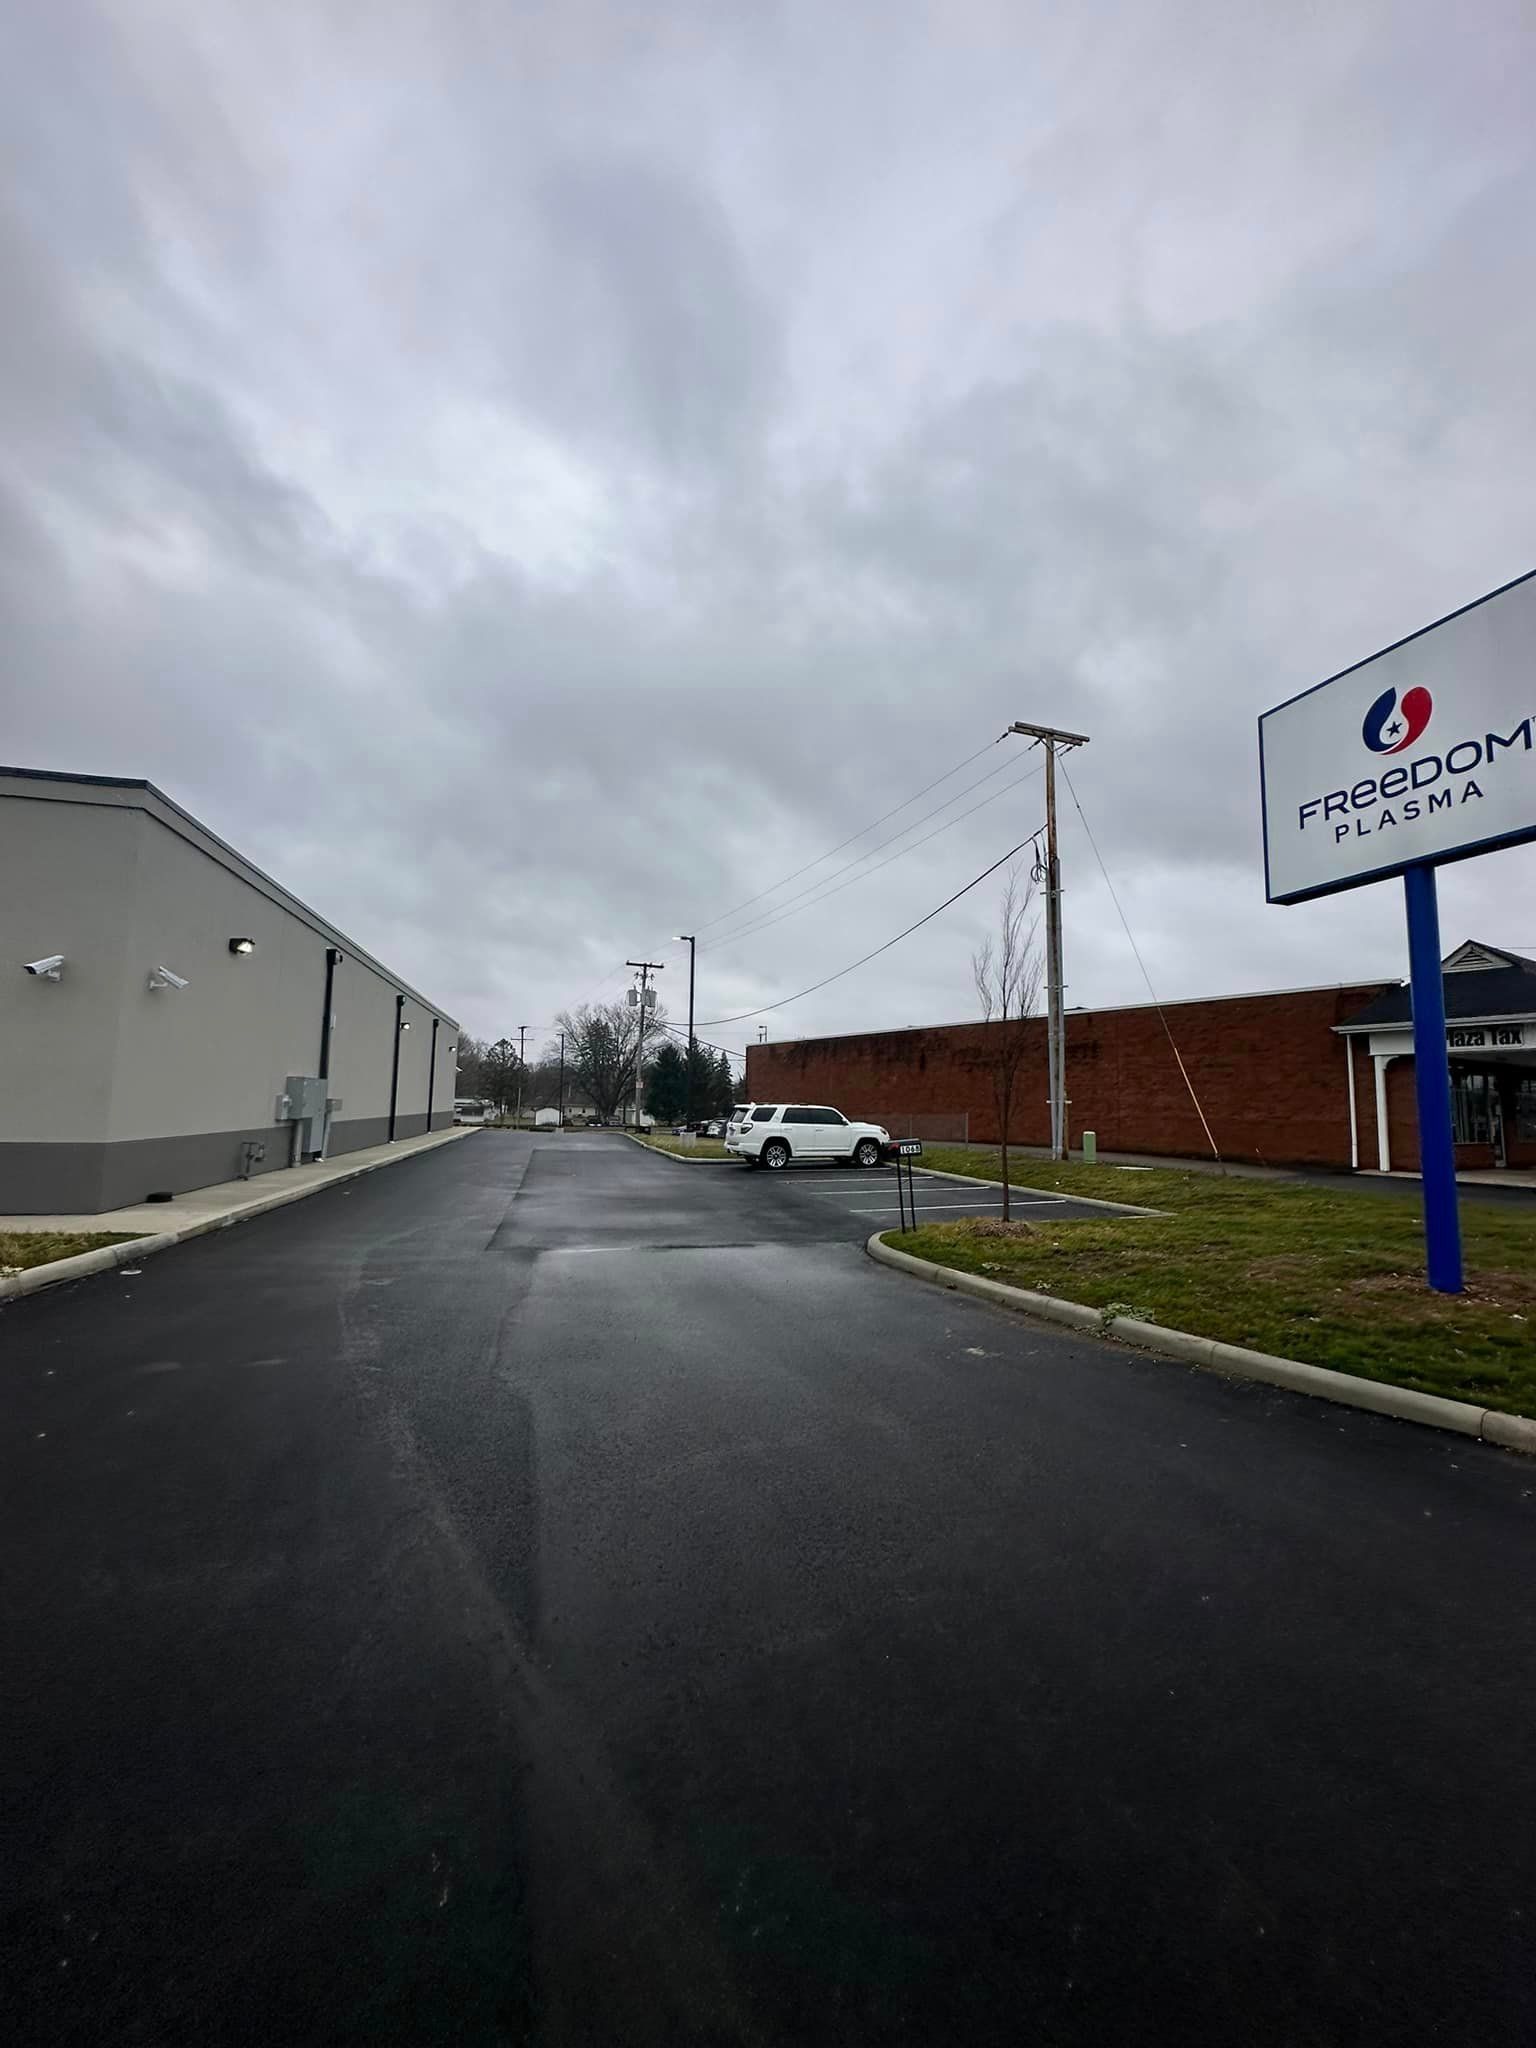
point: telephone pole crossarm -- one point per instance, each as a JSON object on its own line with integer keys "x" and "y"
{"x": 1048, "y": 732}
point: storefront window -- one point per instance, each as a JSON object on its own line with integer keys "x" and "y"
{"x": 1525, "y": 1107}
{"x": 1471, "y": 1107}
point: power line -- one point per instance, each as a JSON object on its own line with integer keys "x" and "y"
{"x": 785, "y": 1001}
{"x": 617, "y": 973}
{"x": 863, "y": 829}
{"x": 731, "y": 1052}
{"x": 754, "y": 925}
{"x": 1151, "y": 991}
{"x": 778, "y": 916}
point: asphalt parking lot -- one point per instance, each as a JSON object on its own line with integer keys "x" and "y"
{"x": 543, "y": 1594}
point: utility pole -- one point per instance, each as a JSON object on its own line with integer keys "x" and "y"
{"x": 647, "y": 997}
{"x": 522, "y": 1068}
{"x": 562, "y": 1080}
{"x": 1051, "y": 737}
{"x": 683, "y": 939}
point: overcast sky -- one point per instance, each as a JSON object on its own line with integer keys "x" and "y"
{"x": 532, "y": 476}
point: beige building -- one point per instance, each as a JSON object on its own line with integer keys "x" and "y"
{"x": 170, "y": 1016}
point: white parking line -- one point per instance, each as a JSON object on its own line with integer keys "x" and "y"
{"x": 1037, "y": 1202}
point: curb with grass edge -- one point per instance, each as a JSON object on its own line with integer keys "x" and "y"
{"x": 682, "y": 1158}
{"x": 1434, "y": 1411}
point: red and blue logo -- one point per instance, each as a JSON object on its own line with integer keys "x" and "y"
{"x": 1390, "y": 726}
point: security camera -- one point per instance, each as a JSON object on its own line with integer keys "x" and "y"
{"x": 162, "y": 977}
{"x": 47, "y": 970}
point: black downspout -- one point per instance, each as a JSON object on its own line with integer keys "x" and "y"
{"x": 333, "y": 958}
{"x": 394, "y": 1078}
{"x": 432, "y": 1074}
{"x": 693, "y": 954}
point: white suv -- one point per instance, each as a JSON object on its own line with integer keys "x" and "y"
{"x": 772, "y": 1133}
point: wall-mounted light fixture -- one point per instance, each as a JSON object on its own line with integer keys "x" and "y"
{"x": 50, "y": 969}
{"x": 164, "y": 977}
{"x": 242, "y": 945}
{"x": 405, "y": 1023}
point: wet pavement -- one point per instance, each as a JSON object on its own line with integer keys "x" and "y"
{"x": 543, "y": 1593}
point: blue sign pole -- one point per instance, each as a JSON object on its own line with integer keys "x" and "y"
{"x": 1432, "y": 1076}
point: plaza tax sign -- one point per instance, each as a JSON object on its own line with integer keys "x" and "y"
{"x": 1424, "y": 752}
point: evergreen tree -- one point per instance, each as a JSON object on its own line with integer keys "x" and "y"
{"x": 703, "y": 1095}
{"x": 723, "y": 1088}
{"x": 666, "y": 1084}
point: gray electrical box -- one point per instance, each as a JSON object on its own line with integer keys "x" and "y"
{"x": 306, "y": 1096}
{"x": 305, "y": 1105}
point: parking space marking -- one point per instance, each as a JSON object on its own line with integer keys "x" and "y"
{"x": 1035, "y": 1202}
{"x": 864, "y": 1186}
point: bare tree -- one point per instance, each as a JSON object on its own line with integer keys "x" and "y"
{"x": 1008, "y": 970}
{"x": 471, "y": 1052}
{"x": 602, "y": 1043}
{"x": 500, "y": 1069}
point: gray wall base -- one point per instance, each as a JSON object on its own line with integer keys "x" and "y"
{"x": 353, "y": 1134}
{"x": 83, "y": 1180}
{"x": 47, "y": 1180}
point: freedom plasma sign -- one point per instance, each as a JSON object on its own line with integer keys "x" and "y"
{"x": 1424, "y": 753}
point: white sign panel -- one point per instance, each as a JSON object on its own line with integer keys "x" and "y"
{"x": 1423, "y": 753}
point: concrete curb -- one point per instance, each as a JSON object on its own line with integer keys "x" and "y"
{"x": 1510, "y": 1432}
{"x": 972, "y": 1180}
{"x": 681, "y": 1158}
{"x": 33, "y": 1279}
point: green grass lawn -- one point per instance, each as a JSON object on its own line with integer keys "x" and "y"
{"x": 1333, "y": 1279}
{"x": 701, "y": 1148}
{"x": 22, "y": 1248}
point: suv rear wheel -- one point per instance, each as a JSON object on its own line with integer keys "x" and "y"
{"x": 775, "y": 1155}
{"x": 866, "y": 1153}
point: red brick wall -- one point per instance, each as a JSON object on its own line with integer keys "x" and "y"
{"x": 1269, "y": 1071}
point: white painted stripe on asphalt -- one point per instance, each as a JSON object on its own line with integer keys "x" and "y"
{"x": 863, "y": 1187}
{"x": 1038, "y": 1202}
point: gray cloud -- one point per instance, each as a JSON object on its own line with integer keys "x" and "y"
{"x": 532, "y": 483}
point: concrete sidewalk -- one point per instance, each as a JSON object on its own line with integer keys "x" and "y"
{"x": 227, "y": 1201}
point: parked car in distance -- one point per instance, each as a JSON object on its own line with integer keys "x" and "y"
{"x": 771, "y": 1134}
{"x": 468, "y": 1109}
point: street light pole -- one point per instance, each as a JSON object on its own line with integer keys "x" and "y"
{"x": 1051, "y": 737}
{"x": 684, "y": 939}
{"x": 562, "y": 1080}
